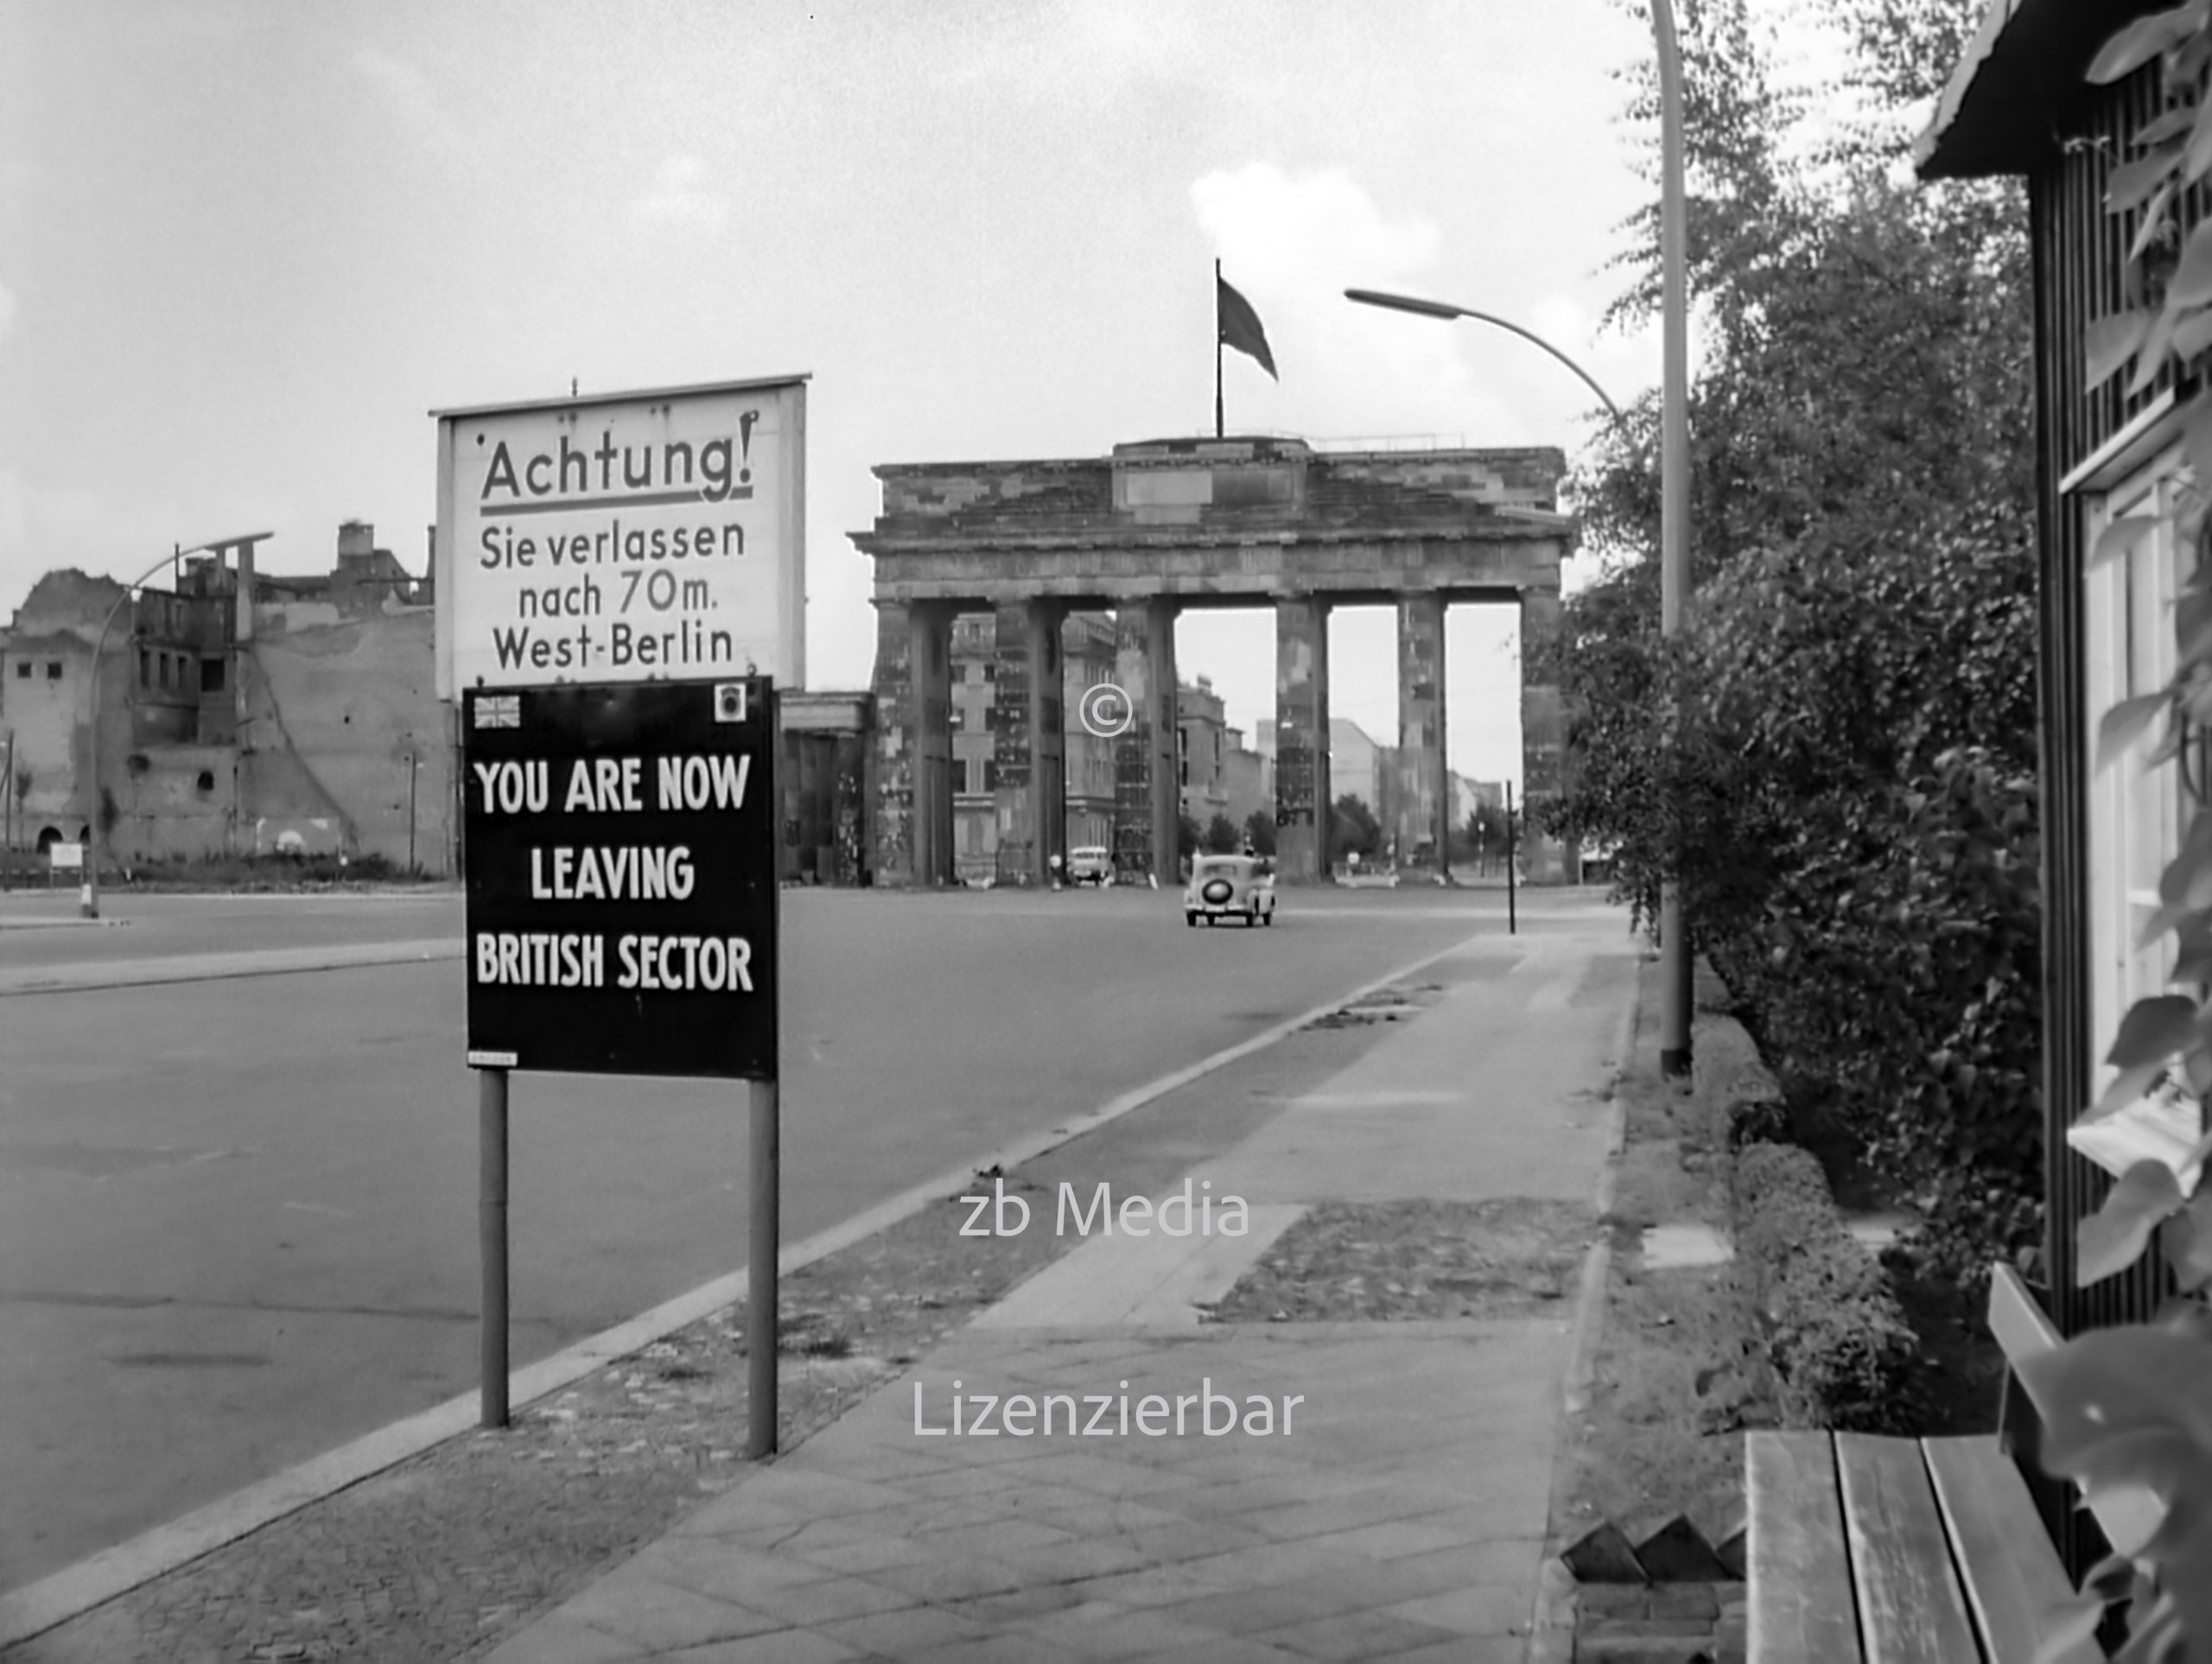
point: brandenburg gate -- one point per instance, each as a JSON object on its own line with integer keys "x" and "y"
{"x": 1194, "y": 523}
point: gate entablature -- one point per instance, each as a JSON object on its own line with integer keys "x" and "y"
{"x": 1166, "y": 524}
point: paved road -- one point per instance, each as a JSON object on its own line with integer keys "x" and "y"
{"x": 238, "y": 1217}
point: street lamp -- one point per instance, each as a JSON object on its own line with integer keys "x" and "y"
{"x": 1673, "y": 470}
{"x": 89, "y": 897}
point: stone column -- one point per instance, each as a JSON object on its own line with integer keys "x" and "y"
{"x": 1146, "y": 800}
{"x": 913, "y": 695}
{"x": 930, "y": 659}
{"x": 1543, "y": 741}
{"x": 1424, "y": 778}
{"x": 1028, "y": 741}
{"x": 1303, "y": 798}
{"x": 1048, "y": 735}
{"x": 891, "y": 827}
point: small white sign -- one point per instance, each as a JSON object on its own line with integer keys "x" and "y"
{"x": 67, "y": 857}
{"x": 644, "y": 536}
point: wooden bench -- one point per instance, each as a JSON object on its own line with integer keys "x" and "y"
{"x": 1867, "y": 1550}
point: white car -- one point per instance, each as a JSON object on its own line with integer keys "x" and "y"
{"x": 1230, "y": 887}
{"x": 1090, "y": 863}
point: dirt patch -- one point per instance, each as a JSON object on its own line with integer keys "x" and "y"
{"x": 1346, "y": 1261}
{"x": 1398, "y": 1003}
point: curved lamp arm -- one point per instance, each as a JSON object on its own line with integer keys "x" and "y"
{"x": 1442, "y": 309}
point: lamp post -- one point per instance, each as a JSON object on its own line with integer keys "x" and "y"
{"x": 1673, "y": 470}
{"x": 89, "y": 897}
{"x": 1674, "y": 493}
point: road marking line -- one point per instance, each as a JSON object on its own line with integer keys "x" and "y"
{"x": 74, "y": 1590}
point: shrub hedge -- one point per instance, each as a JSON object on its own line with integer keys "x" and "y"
{"x": 1831, "y": 1334}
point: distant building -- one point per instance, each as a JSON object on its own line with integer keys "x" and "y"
{"x": 1201, "y": 731}
{"x": 1248, "y": 778}
{"x": 1087, "y": 658}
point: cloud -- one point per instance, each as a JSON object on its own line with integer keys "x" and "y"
{"x": 679, "y": 196}
{"x": 408, "y": 94}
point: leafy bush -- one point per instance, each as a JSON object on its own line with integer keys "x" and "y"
{"x": 1896, "y": 978}
{"x": 1838, "y": 1345}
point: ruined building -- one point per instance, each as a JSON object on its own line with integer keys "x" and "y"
{"x": 239, "y": 712}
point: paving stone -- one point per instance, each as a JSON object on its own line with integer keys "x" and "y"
{"x": 784, "y": 1647}
{"x": 889, "y": 1634}
{"x": 995, "y": 1649}
{"x": 1356, "y": 1635}
{"x": 1246, "y": 1611}
{"x": 660, "y": 1616}
{"x": 1481, "y": 1610}
{"x": 1108, "y": 1629}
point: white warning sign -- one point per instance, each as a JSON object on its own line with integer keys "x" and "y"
{"x": 648, "y": 536}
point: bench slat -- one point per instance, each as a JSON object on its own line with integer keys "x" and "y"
{"x": 1911, "y": 1610}
{"x": 2013, "y": 1574}
{"x": 1800, "y": 1601}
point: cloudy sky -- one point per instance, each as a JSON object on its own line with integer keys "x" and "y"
{"x": 245, "y": 246}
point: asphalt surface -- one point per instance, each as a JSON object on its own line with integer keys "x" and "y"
{"x": 238, "y": 1220}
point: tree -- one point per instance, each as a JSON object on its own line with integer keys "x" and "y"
{"x": 1260, "y": 832}
{"x": 1357, "y": 830}
{"x": 1222, "y": 837}
{"x": 1845, "y": 792}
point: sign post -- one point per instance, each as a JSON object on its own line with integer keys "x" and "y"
{"x": 1512, "y": 923}
{"x": 620, "y": 584}
{"x": 492, "y": 1234}
{"x": 765, "y": 1162}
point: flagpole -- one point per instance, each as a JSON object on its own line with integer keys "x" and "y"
{"x": 1217, "y": 427}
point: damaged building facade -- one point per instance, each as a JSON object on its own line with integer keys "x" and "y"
{"x": 240, "y": 713}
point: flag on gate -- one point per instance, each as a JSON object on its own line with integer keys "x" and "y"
{"x": 1238, "y": 326}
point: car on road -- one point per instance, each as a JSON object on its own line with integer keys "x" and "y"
{"x": 1230, "y": 887}
{"x": 1596, "y": 860}
{"x": 1091, "y": 863}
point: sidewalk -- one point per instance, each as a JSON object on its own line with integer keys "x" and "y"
{"x": 1384, "y": 1493}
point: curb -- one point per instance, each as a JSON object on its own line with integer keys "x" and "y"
{"x": 114, "y": 1572}
{"x": 1551, "y": 1628}
{"x": 225, "y": 967}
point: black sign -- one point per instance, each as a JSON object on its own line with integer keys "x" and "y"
{"x": 619, "y": 848}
